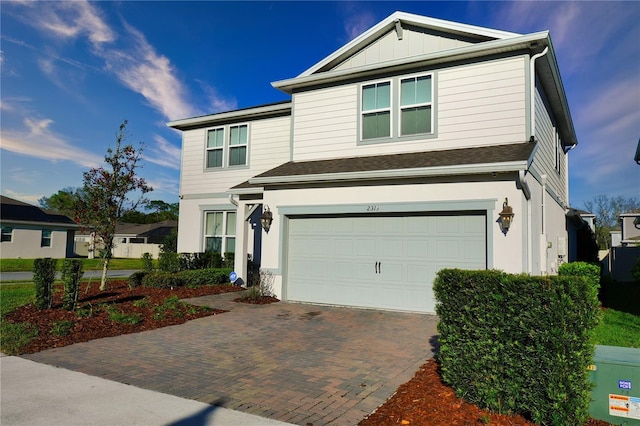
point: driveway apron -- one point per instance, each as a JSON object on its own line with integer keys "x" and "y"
{"x": 298, "y": 363}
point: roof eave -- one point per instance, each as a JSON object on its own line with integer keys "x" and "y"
{"x": 468, "y": 169}
{"x": 254, "y": 113}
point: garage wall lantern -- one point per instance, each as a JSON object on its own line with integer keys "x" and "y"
{"x": 266, "y": 219}
{"x": 506, "y": 216}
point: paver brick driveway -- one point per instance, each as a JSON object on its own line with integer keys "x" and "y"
{"x": 298, "y": 363}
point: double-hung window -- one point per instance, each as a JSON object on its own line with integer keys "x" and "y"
{"x": 215, "y": 147}
{"x": 220, "y": 232}
{"x": 7, "y": 234}
{"x": 416, "y": 105}
{"x": 227, "y": 146}
{"x": 45, "y": 239}
{"x": 376, "y": 110}
{"x": 238, "y": 146}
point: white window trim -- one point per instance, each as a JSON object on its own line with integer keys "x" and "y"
{"x": 207, "y": 148}
{"x": 373, "y": 111}
{"x": 49, "y": 238}
{"x": 10, "y": 233}
{"x": 226, "y": 146}
{"x": 223, "y": 236}
{"x": 402, "y": 107}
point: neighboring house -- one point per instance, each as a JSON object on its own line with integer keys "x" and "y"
{"x": 393, "y": 159}
{"x": 630, "y": 229}
{"x": 581, "y": 230}
{"x": 131, "y": 239}
{"x": 30, "y": 232}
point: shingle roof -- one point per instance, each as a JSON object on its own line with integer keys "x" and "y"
{"x": 415, "y": 160}
{"x": 14, "y": 210}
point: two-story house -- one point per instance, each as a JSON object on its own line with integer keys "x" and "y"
{"x": 419, "y": 145}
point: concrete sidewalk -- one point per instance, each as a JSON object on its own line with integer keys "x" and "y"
{"x": 93, "y": 273}
{"x": 37, "y": 394}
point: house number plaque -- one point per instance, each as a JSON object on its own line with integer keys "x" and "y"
{"x": 373, "y": 208}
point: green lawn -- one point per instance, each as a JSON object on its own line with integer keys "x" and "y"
{"x": 618, "y": 329}
{"x": 20, "y": 265}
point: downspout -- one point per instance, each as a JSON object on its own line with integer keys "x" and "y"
{"x": 532, "y": 106}
{"x": 232, "y": 200}
{"x": 524, "y": 186}
{"x": 543, "y": 234}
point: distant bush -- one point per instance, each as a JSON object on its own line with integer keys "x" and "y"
{"x": 202, "y": 277}
{"x": 162, "y": 280}
{"x": 135, "y": 279}
{"x": 44, "y": 273}
{"x": 147, "y": 262}
{"x": 169, "y": 262}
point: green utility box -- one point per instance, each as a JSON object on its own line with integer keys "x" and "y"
{"x": 615, "y": 372}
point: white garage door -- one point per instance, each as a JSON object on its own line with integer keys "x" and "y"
{"x": 386, "y": 262}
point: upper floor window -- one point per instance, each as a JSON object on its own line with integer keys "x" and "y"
{"x": 415, "y": 105}
{"x": 215, "y": 147}
{"x": 227, "y": 146}
{"x": 45, "y": 239}
{"x": 220, "y": 232}
{"x": 397, "y": 108}
{"x": 238, "y": 146}
{"x": 376, "y": 110}
{"x": 7, "y": 234}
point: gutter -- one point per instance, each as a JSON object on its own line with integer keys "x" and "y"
{"x": 532, "y": 89}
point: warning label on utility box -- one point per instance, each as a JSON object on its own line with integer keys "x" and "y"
{"x": 624, "y": 406}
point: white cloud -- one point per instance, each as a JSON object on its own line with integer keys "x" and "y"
{"x": 163, "y": 185}
{"x": 25, "y": 198}
{"x": 74, "y": 19}
{"x": 357, "y": 23}
{"x": 145, "y": 71}
{"x": 163, "y": 153}
{"x": 41, "y": 142}
{"x": 133, "y": 61}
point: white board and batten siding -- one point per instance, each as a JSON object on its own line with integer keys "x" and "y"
{"x": 380, "y": 262}
{"x": 269, "y": 146}
{"x": 476, "y": 105}
{"x": 389, "y": 47}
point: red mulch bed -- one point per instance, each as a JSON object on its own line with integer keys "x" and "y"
{"x": 426, "y": 401}
{"x": 97, "y": 323}
{"x": 262, "y": 300}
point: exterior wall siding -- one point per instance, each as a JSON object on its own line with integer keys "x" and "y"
{"x": 476, "y": 104}
{"x": 269, "y": 146}
{"x": 389, "y": 47}
{"x": 26, "y": 244}
{"x": 545, "y": 161}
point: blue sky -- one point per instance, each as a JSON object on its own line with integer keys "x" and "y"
{"x": 72, "y": 71}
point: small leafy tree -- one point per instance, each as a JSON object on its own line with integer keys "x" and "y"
{"x": 104, "y": 196}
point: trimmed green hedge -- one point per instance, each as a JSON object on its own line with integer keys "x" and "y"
{"x": 517, "y": 343}
{"x": 194, "y": 278}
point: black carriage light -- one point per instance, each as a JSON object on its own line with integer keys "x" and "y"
{"x": 266, "y": 219}
{"x": 506, "y": 215}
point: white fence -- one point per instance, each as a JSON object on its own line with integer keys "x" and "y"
{"x": 122, "y": 250}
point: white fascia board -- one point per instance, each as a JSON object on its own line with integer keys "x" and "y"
{"x": 396, "y": 173}
{"x": 241, "y": 114}
{"x": 245, "y": 191}
{"x": 417, "y": 20}
{"x": 9, "y": 222}
{"x": 460, "y": 53}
